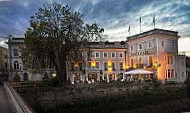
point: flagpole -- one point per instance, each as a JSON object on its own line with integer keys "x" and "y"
{"x": 154, "y": 21}
{"x": 129, "y": 29}
{"x": 140, "y": 24}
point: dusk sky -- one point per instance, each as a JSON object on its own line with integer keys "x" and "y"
{"x": 114, "y": 16}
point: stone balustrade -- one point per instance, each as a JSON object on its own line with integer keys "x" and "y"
{"x": 17, "y": 101}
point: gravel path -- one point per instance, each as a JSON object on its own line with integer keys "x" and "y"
{"x": 5, "y": 106}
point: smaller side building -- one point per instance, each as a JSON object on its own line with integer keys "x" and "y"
{"x": 3, "y": 65}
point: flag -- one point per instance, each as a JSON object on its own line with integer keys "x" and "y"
{"x": 129, "y": 28}
{"x": 154, "y": 21}
{"x": 140, "y": 19}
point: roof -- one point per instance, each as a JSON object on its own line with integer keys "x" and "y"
{"x": 154, "y": 31}
{"x": 107, "y": 45}
{"x": 15, "y": 41}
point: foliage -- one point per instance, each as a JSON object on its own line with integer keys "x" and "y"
{"x": 55, "y": 37}
{"x": 112, "y": 103}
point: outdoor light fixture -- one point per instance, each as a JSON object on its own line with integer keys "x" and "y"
{"x": 76, "y": 65}
{"x": 53, "y": 75}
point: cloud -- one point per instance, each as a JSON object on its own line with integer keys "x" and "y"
{"x": 114, "y": 16}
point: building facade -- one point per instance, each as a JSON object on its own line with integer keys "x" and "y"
{"x": 3, "y": 65}
{"x": 155, "y": 50}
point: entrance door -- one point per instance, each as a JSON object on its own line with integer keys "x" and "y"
{"x": 25, "y": 76}
{"x": 92, "y": 77}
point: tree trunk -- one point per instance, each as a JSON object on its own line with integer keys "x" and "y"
{"x": 62, "y": 74}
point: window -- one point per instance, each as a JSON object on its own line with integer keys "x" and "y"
{"x": 162, "y": 43}
{"x": 15, "y": 52}
{"x": 131, "y": 62}
{"x": 113, "y": 55}
{"x": 150, "y": 61}
{"x": 170, "y": 60}
{"x": 105, "y": 66}
{"x": 170, "y": 73}
{"x": 113, "y": 65}
{"x": 97, "y": 65}
{"x": 80, "y": 66}
{"x": 16, "y": 65}
{"x": 89, "y": 64}
{"x": 140, "y": 60}
{"x": 172, "y": 44}
{"x": 140, "y": 46}
{"x": 131, "y": 48}
{"x": 97, "y": 54}
{"x": 149, "y": 44}
{"x": 121, "y": 65}
{"x": 182, "y": 74}
{"x": 120, "y": 55}
{"x": 105, "y": 54}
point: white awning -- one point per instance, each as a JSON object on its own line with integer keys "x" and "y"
{"x": 138, "y": 71}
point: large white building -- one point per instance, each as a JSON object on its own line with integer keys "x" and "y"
{"x": 155, "y": 50}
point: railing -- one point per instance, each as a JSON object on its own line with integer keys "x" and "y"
{"x": 17, "y": 101}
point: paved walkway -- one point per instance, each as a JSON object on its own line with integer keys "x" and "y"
{"x": 5, "y": 106}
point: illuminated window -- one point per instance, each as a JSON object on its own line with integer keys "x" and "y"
{"x": 170, "y": 59}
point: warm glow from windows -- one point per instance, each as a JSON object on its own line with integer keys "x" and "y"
{"x": 93, "y": 63}
{"x": 109, "y": 69}
{"x": 109, "y": 63}
{"x": 76, "y": 65}
{"x": 125, "y": 66}
{"x": 135, "y": 66}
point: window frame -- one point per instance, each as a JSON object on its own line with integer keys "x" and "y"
{"x": 104, "y": 53}
{"x": 139, "y": 46}
{"x": 17, "y": 51}
{"x": 112, "y": 54}
{"x": 98, "y": 54}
